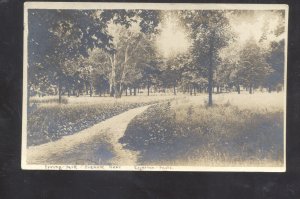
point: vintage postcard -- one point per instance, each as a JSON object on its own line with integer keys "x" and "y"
{"x": 154, "y": 87}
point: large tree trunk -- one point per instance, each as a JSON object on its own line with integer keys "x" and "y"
{"x": 119, "y": 90}
{"x": 112, "y": 76}
{"x": 91, "y": 90}
{"x": 270, "y": 89}
{"x": 59, "y": 91}
{"x": 194, "y": 90}
{"x": 134, "y": 91}
{"x": 238, "y": 88}
{"x": 111, "y": 93}
{"x": 174, "y": 89}
{"x": 86, "y": 89}
{"x": 250, "y": 89}
{"x": 148, "y": 88}
{"x": 210, "y": 71}
{"x": 116, "y": 91}
{"x": 209, "y": 87}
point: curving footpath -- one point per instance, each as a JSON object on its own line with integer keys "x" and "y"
{"x": 98, "y": 144}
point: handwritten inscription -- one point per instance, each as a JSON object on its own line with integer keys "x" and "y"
{"x": 114, "y": 167}
{"x": 108, "y": 167}
{"x": 94, "y": 167}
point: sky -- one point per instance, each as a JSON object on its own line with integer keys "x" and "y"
{"x": 173, "y": 39}
{"x": 251, "y": 25}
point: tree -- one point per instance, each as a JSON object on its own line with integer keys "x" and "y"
{"x": 71, "y": 70}
{"x": 99, "y": 68}
{"x": 275, "y": 59}
{"x": 189, "y": 76}
{"x": 150, "y": 74}
{"x": 133, "y": 50}
{"x": 58, "y": 36}
{"x": 253, "y": 65}
{"x": 229, "y": 70}
{"x": 210, "y": 32}
{"x": 172, "y": 70}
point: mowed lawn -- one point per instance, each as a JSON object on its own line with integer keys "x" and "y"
{"x": 239, "y": 130}
{"x": 49, "y": 121}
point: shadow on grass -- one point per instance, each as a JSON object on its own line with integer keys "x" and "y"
{"x": 98, "y": 152}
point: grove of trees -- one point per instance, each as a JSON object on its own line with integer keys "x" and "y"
{"x": 114, "y": 53}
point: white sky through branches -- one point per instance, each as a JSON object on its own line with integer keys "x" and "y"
{"x": 251, "y": 25}
{"x": 173, "y": 39}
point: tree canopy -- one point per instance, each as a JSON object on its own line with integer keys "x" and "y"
{"x": 77, "y": 52}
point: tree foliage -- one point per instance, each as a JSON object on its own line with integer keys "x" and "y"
{"x": 99, "y": 52}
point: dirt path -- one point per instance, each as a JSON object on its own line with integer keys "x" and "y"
{"x": 98, "y": 144}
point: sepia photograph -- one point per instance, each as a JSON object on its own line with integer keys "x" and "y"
{"x": 154, "y": 87}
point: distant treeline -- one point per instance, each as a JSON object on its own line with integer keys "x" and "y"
{"x": 102, "y": 52}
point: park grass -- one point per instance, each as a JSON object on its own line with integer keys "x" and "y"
{"x": 50, "y": 121}
{"x": 185, "y": 132}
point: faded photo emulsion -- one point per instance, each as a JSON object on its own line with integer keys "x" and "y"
{"x": 154, "y": 87}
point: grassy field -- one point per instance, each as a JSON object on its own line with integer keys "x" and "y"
{"x": 239, "y": 130}
{"x": 49, "y": 121}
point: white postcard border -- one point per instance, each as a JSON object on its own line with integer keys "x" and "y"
{"x": 154, "y": 6}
